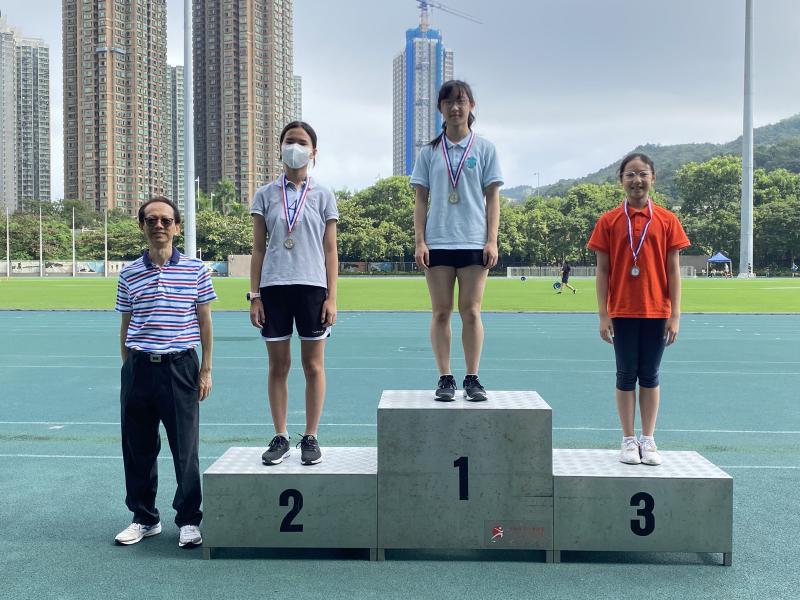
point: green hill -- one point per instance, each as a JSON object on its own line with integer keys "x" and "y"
{"x": 776, "y": 146}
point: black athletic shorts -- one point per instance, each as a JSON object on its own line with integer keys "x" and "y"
{"x": 455, "y": 258}
{"x": 301, "y": 304}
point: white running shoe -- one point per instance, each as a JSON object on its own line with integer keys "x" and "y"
{"x": 190, "y": 536}
{"x": 629, "y": 454}
{"x": 650, "y": 454}
{"x": 135, "y": 532}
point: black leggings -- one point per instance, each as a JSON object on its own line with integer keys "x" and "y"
{"x": 638, "y": 347}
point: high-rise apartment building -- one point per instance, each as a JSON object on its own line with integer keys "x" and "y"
{"x": 114, "y": 96}
{"x": 243, "y": 66}
{"x": 174, "y": 137}
{"x": 419, "y": 71}
{"x": 8, "y": 116}
{"x": 297, "y": 113}
{"x": 33, "y": 120}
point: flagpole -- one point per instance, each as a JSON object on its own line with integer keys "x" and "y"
{"x": 74, "y": 269}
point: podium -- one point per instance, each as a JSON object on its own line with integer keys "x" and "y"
{"x": 332, "y": 504}
{"x": 467, "y": 475}
{"x": 682, "y": 505}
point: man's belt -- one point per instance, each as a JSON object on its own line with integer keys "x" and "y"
{"x": 155, "y": 357}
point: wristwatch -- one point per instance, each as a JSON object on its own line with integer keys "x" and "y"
{"x": 252, "y": 295}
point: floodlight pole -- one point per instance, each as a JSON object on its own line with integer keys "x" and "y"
{"x": 190, "y": 230}
{"x": 41, "y": 246}
{"x": 8, "y": 245}
{"x": 105, "y": 242}
{"x": 746, "y": 239}
{"x": 74, "y": 269}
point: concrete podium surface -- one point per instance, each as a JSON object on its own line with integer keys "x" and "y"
{"x": 332, "y": 504}
{"x": 464, "y": 475}
{"x": 682, "y": 505}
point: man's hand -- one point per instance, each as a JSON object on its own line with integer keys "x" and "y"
{"x": 607, "y": 329}
{"x": 205, "y": 384}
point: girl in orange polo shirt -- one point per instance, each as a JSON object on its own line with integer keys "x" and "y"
{"x": 638, "y": 298}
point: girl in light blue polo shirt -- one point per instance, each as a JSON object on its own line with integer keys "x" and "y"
{"x": 456, "y": 216}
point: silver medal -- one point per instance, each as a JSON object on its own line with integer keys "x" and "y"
{"x": 635, "y": 271}
{"x": 288, "y": 243}
{"x": 453, "y": 197}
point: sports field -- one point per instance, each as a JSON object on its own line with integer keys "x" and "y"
{"x": 410, "y": 293}
{"x": 730, "y": 392}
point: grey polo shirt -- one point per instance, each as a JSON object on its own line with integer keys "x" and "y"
{"x": 304, "y": 263}
{"x": 462, "y": 225}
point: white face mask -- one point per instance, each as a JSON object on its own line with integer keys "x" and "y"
{"x": 295, "y": 156}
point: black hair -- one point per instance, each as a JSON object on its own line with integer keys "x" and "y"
{"x": 456, "y": 88}
{"x": 634, "y": 155}
{"x": 164, "y": 200}
{"x": 303, "y": 125}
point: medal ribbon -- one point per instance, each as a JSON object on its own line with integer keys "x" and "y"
{"x": 291, "y": 222}
{"x": 644, "y": 231}
{"x": 454, "y": 177}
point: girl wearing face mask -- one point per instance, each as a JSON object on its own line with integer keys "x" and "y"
{"x": 293, "y": 282}
{"x": 456, "y": 217}
{"x": 638, "y": 299}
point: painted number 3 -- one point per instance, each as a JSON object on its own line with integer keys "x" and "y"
{"x": 646, "y": 523}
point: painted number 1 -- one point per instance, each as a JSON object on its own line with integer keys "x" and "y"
{"x": 462, "y": 464}
{"x": 646, "y": 523}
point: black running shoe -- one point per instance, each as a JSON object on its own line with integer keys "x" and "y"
{"x": 278, "y": 450}
{"x": 446, "y": 388}
{"x": 309, "y": 450}
{"x": 473, "y": 390}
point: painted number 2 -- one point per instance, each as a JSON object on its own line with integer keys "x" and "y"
{"x": 297, "y": 504}
{"x": 462, "y": 464}
{"x": 646, "y": 523}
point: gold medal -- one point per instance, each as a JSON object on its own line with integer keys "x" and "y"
{"x": 288, "y": 243}
{"x": 453, "y": 197}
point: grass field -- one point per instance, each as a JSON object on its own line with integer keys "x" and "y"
{"x": 410, "y": 293}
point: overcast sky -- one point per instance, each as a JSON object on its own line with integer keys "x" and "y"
{"x": 563, "y": 87}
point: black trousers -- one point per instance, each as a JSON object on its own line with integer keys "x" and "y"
{"x": 165, "y": 392}
{"x": 638, "y": 346}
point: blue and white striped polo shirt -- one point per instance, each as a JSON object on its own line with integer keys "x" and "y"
{"x": 162, "y": 300}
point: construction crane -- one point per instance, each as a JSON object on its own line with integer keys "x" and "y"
{"x": 424, "y": 6}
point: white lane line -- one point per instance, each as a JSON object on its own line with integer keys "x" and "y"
{"x": 116, "y": 424}
{"x": 410, "y": 368}
{"x": 168, "y": 458}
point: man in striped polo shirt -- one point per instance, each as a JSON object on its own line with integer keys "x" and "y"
{"x": 164, "y": 298}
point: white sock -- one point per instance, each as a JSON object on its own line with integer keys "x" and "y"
{"x": 647, "y": 438}
{"x": 629, "y": 438}
{"x": 472, "y": 374}
{"x": 283, "y": 434}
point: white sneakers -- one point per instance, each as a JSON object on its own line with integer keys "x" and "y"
{"x": 642, "y": 451}
{"x": 136, "y": 532}
{"x": 650, "y": 454}
{"x": 629, "y": 454}
{"x": 190, "y": 536}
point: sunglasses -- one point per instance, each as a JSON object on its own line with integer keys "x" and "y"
{"x": 166, "y": 222}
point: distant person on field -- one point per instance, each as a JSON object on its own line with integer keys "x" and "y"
{"x": 565, "y": 269}
{"x": 164, "y": 298}
{"x": 638, "y": 298}
{"x": 727, "y": 270}
{"x": 293, "y": 275}
{"x": 456, "y": 218}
